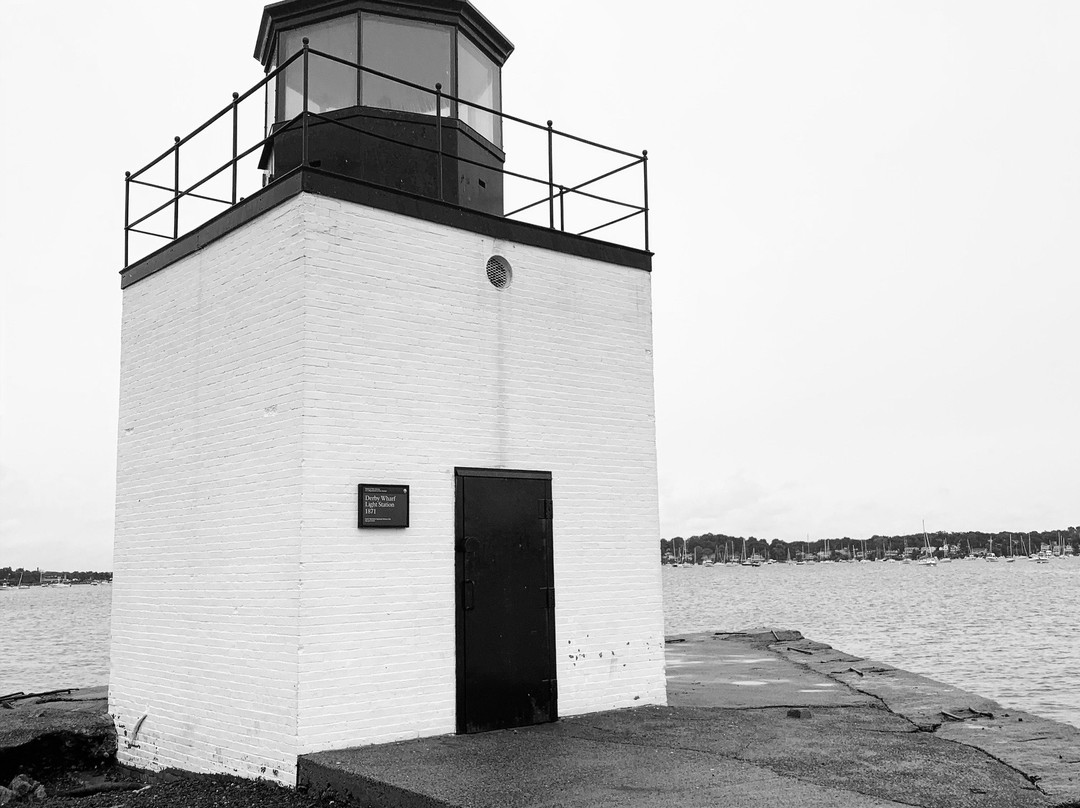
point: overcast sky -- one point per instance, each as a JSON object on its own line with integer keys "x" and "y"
{"x": 864, "y": 217}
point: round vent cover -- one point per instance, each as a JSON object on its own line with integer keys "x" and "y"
{"x": 498, "y": 272}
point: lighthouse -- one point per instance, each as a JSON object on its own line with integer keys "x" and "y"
{"x": 386, "y": 445}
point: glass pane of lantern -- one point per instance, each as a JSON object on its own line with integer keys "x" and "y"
{"x": 331, "y": 85}
{"x": 478, "y": 81}
{"x": 413, "y": 51}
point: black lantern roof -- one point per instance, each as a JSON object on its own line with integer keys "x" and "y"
{"x": 458, "y": 13}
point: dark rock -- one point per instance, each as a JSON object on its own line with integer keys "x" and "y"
{"x": 22, "y": 785}
{"x": 798, "y": 713}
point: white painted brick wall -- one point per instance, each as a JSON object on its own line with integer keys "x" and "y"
{"x": 391, "y": 359}
{"x": 204, "y": 631}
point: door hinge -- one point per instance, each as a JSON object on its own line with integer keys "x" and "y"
{"x": 545, "y": 508}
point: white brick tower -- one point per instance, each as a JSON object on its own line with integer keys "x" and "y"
{"x": 386, "y": 456}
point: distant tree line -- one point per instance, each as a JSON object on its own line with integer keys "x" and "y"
{"x": 10, "y": 576}
{"x": 719, "y": 547}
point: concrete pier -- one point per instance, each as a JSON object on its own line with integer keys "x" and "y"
{"x": 766, "y": 718}
{"x": 759, "y": 719}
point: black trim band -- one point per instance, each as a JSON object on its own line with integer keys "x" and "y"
{"x": 321, "y": 183}
{"x": 515, "y": 473}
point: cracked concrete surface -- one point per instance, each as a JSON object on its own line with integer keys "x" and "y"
{"x": 764, "y": 719}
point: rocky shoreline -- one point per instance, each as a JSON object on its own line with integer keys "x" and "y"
{"x": 139, "y": 790}
{"x": 115, "y": 787}
{"x": 59, "y": 748}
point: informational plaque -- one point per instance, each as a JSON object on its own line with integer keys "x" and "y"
{"x": 384, "y": 506}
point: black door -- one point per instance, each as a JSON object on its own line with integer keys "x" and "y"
{"x": 506, "y": 600}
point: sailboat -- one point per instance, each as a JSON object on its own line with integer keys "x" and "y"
{"x": 990, "y": 553}
{"x": 927, "y": 560}
{"x": 752, "y": 561}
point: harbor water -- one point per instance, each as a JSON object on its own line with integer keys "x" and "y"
{"x": 1007, "y": 631}
{"x": 53, "y": 637}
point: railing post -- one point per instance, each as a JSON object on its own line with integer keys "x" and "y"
{"x": 303, "y": 120}
{"x": 645, "y": 178}
{"x": 235, "y": 127}
{"x": 438, "y": 137}
{"x": 176, "y": 189}
{"x": 127, "y": 213}
{"x": 551, "y": 176}
{"x": 562, "y": 208}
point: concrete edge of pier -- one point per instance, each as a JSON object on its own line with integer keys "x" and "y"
{"x": 1045, "y": 752}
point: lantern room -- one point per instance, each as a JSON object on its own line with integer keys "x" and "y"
{"x": 402, "y": 94}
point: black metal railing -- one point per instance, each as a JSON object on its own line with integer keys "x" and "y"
{"x": 555, "y": 194}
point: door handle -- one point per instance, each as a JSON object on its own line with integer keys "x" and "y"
{"x": 468, "y": 595}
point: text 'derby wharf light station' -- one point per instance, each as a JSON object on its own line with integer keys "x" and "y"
{"x": 386, "y": 459}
